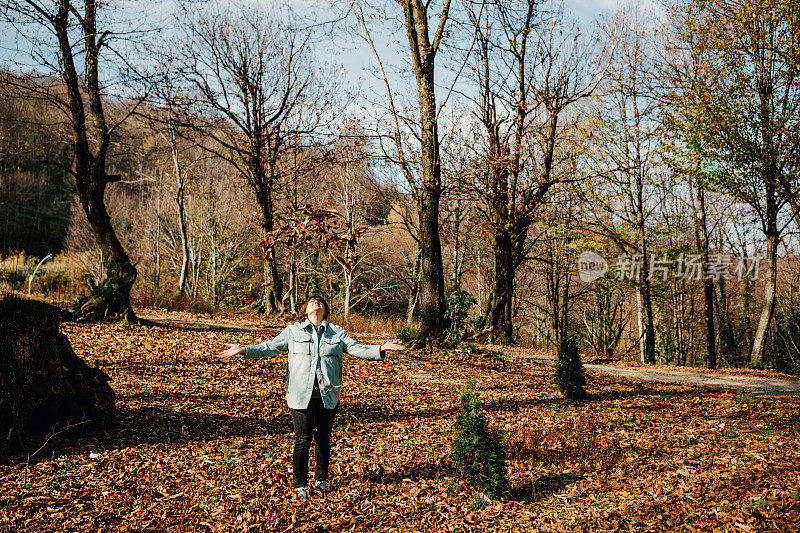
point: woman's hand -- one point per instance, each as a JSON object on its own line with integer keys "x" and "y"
{"x": 232, "y": 351}
{"x": 391, "y": 345}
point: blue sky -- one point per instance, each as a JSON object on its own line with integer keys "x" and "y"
{"x": 355, "y": 56}
{"x": 348, "y": 59}
{"x": 358, "y": 66}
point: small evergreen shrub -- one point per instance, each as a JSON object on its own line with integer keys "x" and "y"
{"x": 478, "y": 453}
{"x": 478, "y": 323}
{"x": 406, "y": 335}
{"x": 569, "y": 369}
{"x": 458, "y": 304}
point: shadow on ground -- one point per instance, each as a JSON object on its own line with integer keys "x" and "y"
{"x": 151, "y": 425}
{"x": 415, "y": 471}
{"x": 187, "y": 325}
{"x": 541, "y": 488}
{"x": 368, "y": 412}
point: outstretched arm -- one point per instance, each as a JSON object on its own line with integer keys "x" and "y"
{"x": 372, "y": 352}
{"x": 232, "y": 351}
{"x": 393, "y": 346}
{"x": 254, "y": 351}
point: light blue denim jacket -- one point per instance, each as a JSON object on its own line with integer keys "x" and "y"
{"x": 308, "y": 359}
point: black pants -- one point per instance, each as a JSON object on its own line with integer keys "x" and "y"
{"x": 319, "y": 421}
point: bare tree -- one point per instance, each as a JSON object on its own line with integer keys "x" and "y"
{"x": 627, "y": 143}
{"x": 179, "y": 157}
{"x": 347, "y": 189}
{"x": 531, "y": 67}
{"x": 179, "y": 174}
{"x": 460, "y": 217}
{"x": 218, "y": 222}
{"x": 78, "y": 45}
{"x": 252, "y": 95}
{"x": 423, "y": 48}
{"x": 679, "y": 68}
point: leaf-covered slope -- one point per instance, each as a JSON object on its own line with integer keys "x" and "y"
{"x": 204, "y": 445}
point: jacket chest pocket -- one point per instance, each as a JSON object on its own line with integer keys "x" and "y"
{"x": 331, "y": 347}
{"x": 301, "y": 346}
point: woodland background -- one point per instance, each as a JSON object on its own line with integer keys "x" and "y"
{"x": 244, "y": 172}
{"x": 198, "y": 168}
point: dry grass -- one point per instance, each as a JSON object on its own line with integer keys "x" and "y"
{"x": 60, "y": 263}
{"x": 15, "y": 262}
{"x": 379, "y": 325}
{"x": 59, "y": 279}
{"x": 360, "y": 326}
{"x": 74, "y": 268}
{"x": 172, "y": 302}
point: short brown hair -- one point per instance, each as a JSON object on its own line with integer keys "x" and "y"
{"x": 320, "y": 299}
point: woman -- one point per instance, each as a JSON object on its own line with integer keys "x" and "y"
{"x": 313, "y": 381}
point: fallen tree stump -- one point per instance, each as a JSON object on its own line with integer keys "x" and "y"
{"x": 44, "y": 385}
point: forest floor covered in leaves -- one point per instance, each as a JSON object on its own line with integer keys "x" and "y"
{"x": 204, "y": 445}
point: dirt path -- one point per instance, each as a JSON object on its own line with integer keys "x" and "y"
{"x": 754, "y": 385}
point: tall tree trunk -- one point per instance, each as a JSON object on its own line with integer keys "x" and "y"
{"x": 293, "y": 282}
{"x": 771, "y": 276}
{"x": 273, "y": 283}
{"x": 120, "y": 273}
{"x": 747, "y": 304}
{"x": 679, "y": 302}
{"x": 180, "y": 207}
{"x": 277, "y": 284}
{"x": 649, "y": 327}
{"x": 728, "y": 344}
{"x": 770, "y": 178}
{"x": 640, "y": 324}
{"x": 564, "y": 322}
{"x": 554, "y": 297}
{"x": 423, "y": 52}
{"x": 182, "y": 274}
{"x": 348, "y": 281}
{"x": 157, "y": 273}
{"x": 413, "y": 294}
{"x": 770, "y": 290}
{"x": 431, "y": 293}
{"x": 213, "y": 285}
{"x": 502, "y": 292}
{"x": 701, "y": 233}
{"x": 708, "y": 309}
{"x": 649, "y": 330}
{"x": 412, "y": 304}
{"x": 90, "y": 173}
